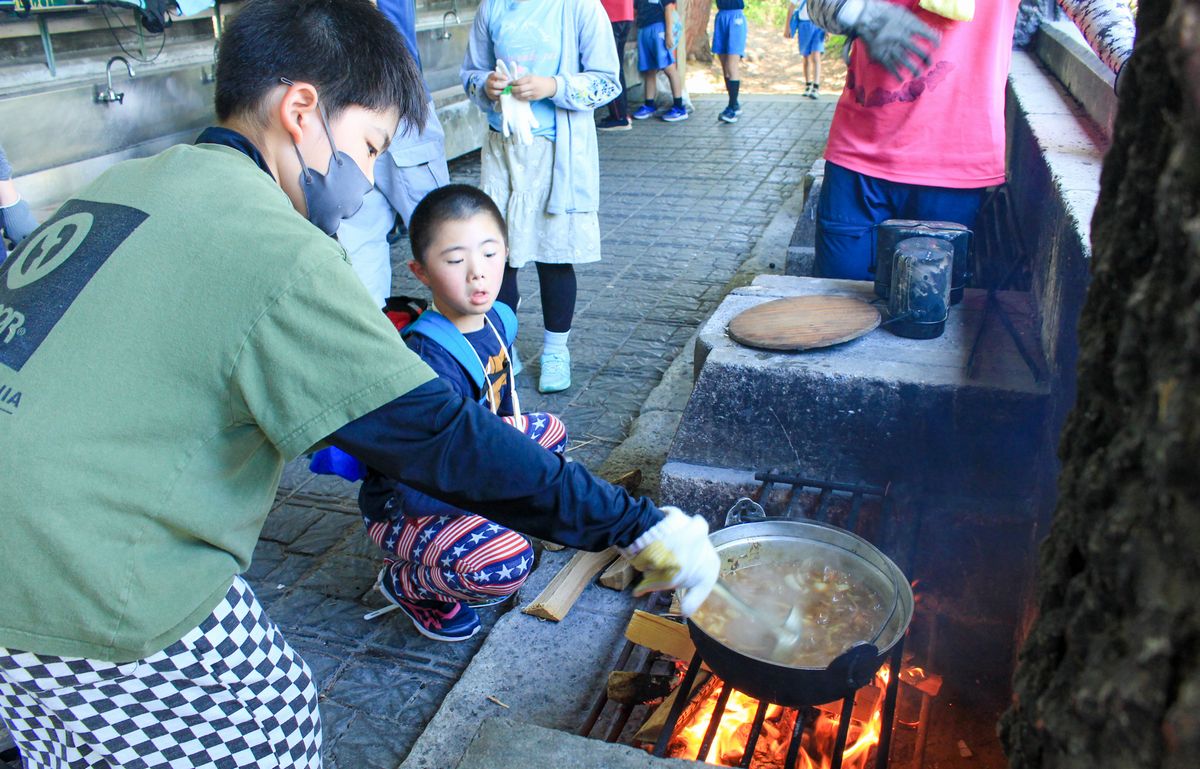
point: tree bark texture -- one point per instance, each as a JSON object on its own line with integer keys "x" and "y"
{"x": 1110, "y": 675}
{"x": 695, "y": 24}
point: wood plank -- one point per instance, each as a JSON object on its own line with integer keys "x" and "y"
{"x": 619, "y": 575}
{"x": 660, "y": 634}
{"x": 564, "y": 589}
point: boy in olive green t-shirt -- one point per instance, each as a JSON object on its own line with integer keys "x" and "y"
{"x": 178, "y": 333}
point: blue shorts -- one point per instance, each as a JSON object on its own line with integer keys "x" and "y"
{"x": 729, "y": 33}
{"x": 652, "y": 48}
{"x": 809, "y": 38}
{"x": 851, "y": 204}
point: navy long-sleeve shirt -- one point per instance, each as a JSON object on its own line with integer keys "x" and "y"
{"x": 455, "y": 450}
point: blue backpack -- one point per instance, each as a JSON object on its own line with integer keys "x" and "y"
{"x": 434, "y": 326}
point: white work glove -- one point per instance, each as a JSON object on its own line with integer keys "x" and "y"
{"x": 958, "y": 10}
{"x": 676, "y": 553}
{"x": 516, "y": 115}
{"x": 18, "y": 221}
{"x": 890, "y": 33}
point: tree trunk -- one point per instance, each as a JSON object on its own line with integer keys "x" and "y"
{"x": 1110, "y": 676}
{"x": 695, "y": 25}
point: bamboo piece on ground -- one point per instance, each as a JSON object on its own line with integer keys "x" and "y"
{"x": 660, "y": 634}
{"x": 560, "y": 595}
{"x": 628, "y": 481}
{"x": 618, "y": 576}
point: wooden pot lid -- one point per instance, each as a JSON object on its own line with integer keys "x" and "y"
{"x": 804, "y": 322}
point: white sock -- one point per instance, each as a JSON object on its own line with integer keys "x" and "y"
{"x": 553, "y": 342}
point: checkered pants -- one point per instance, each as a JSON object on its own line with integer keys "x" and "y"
{"x": 464, "y": 557}
{"x": 230, "y": 693}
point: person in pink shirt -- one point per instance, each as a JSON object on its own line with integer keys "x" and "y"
{"x": 620, "y": 13}
{"x": 918, "y": 132}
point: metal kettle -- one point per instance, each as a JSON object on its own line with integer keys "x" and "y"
{"x": 891, "y": 232}
{"x": 919, "y": 295}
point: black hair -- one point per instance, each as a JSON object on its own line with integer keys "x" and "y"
{"x": 451, "y": 203}
{"x": 346, "y": 49}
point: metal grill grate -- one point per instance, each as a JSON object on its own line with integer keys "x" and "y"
{"x": 869, "y": 511}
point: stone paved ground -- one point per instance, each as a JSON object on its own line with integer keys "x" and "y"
{"x": 682, "y": 207}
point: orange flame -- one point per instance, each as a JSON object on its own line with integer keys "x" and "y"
{"x": 732, "y": 735}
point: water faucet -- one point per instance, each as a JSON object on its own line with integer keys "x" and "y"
{"x": 445, "y": 34}
{"x": 107, "y": 95}
{"x": 208, "y": 76}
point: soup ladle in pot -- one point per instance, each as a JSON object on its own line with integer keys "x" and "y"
{"x": 787, "y": 635}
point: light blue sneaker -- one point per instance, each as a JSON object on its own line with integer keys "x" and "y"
{"x": 643, "y": 112}
{"x": 517, "y": 368}
{"x": 556, "y": 372}
{"x": 675, "y": 114}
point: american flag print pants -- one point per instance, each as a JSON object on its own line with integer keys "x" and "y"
{"x": 462, "y": 557}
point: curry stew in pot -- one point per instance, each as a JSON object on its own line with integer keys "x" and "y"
{"x": 840, "y": 604}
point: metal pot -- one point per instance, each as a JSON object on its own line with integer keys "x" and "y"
{"x": 789, "y": 541}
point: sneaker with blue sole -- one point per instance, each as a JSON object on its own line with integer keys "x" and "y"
{"x": 556, "y": 372}
{"x": 643, "y": 112}
{"x": 728, "y": 116}
{"x": 450, "y": 621}
{"x": 675, "y": 114}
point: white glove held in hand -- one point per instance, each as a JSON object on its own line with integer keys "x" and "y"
{"x": 676, "y": 553}
{"x": 890, "y": 33}
{"x": 516, "y": 116}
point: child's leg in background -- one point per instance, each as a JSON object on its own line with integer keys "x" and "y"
{"x": 731, "y": 68}
{"x": 672, "y": 73}
{"x": 559, "y": 289}
{"x": 649, "y": 94}
{"x": 816, "y": 68}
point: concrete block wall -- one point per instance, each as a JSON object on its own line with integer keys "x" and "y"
{"x": 1055, "y": 154}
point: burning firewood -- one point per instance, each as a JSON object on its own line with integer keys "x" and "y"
{"x": 631, "y": 688}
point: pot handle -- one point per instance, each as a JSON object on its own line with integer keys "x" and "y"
{"x": 856, "y": 666}
{"x": 744, "y": 511}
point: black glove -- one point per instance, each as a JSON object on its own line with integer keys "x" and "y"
{"x": 890, "y": 33}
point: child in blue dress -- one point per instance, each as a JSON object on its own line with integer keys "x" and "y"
{"x": 561, "y": 62}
